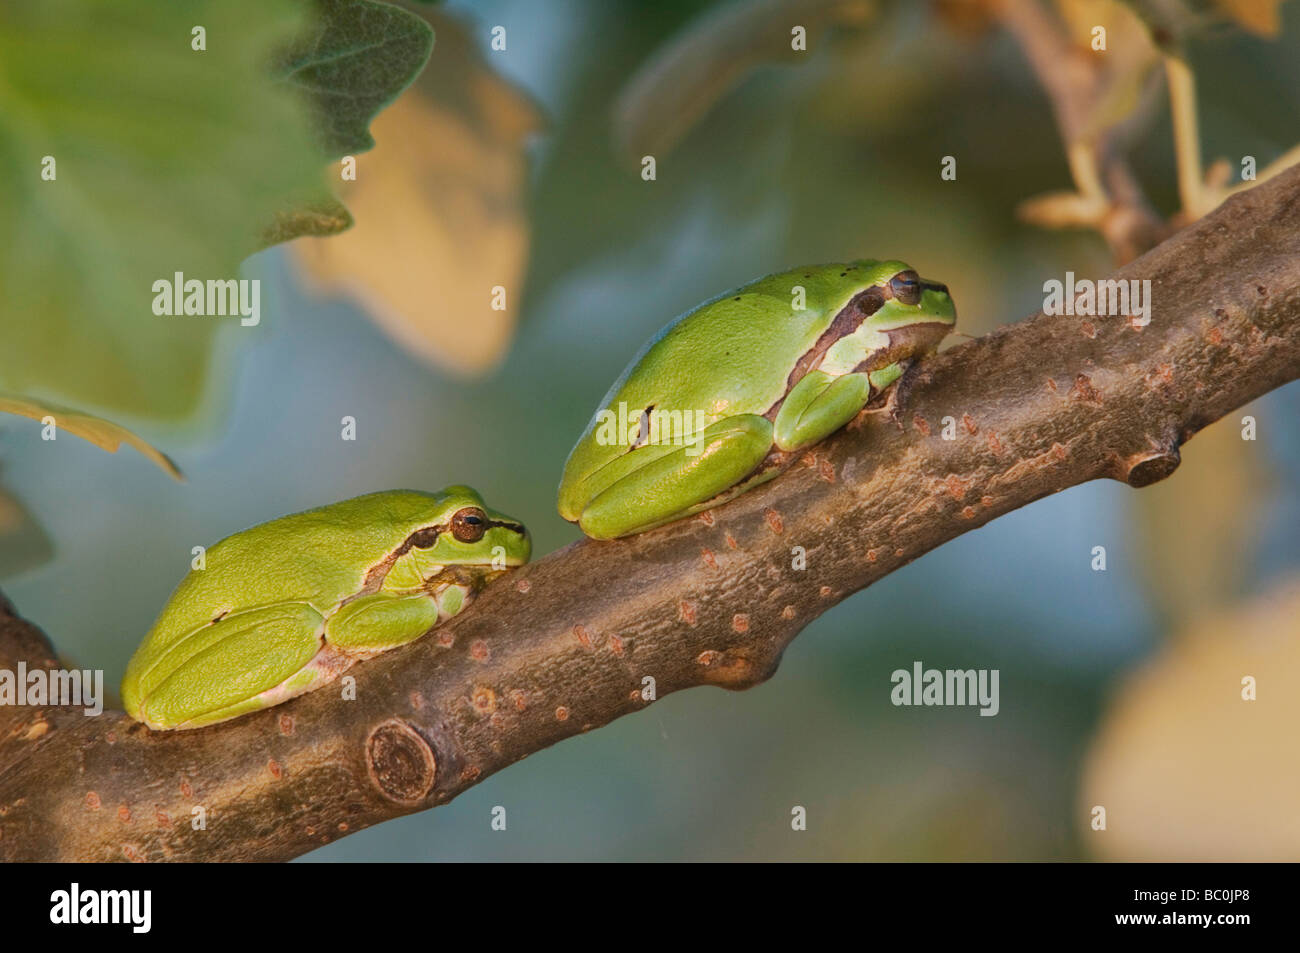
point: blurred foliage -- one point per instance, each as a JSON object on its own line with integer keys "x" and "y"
{"x": 23, "y": 543}
{"x": 1172, "y": 21}
{"x": 168, "y": 159}
{"x": 1186, "y": 768}
{"x": 440, "y": 209}
{"x": 352, "y": 62}
{"x": 687, "y": 76}
{"x": 171, "y": 153}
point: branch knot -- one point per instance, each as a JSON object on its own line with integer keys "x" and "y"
{"x": 401, "y": 762}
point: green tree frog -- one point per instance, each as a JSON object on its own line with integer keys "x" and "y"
{"x": 287, "y": 606}
{"x": 725, "y": 396}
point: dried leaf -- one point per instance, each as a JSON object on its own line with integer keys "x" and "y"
{"x": 102, "y": 433}
{"x": 321, "y": 216}
{"x": 1061, "y": 210}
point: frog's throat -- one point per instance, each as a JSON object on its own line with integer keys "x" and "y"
{"x": 377, "y": 575}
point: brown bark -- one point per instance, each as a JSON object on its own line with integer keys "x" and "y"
{"x": 563, "y": 645}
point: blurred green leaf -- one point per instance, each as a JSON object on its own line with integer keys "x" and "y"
{"x": 165, "y": 159}
{"x": 684, "y": 78}
{"x": 354, "y": 62}
{"x": 23, "y": 542}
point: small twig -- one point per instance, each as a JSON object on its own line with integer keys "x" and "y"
{"x": 1187, "y": 137}
{"x": 1107, "y": 196}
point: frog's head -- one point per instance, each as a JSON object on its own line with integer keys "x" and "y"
{"x": 463, "y": 531}
{"x": 915, "y": 312}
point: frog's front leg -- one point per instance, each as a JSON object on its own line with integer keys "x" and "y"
{"x": 819, "y": 405}
{"x": 384, "y": 620}
{"x": 674, "y": 481}
{"x": 901, "y": 374}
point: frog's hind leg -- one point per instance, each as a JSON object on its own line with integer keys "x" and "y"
{"x": 682, "y": 481}
{"x": 222, "y": 669}
{"x": 360, "y": 629}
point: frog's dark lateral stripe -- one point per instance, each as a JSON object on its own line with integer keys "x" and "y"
{"x": 427, "y": 536}
{"x": 860, "y": 307}
{"x": 423, "y": 538}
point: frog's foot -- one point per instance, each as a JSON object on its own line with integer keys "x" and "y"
{"x": 679, "y": 481}
{"x": 892, "y": 400}
{"x": 328, "y": 664}
{"x": 897, "y": 395}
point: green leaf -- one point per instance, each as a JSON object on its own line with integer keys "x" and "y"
{"x": 166, "y": 159}
{"x": 690, "y": 73}
{"x": 357, "y": 60}
{"x": 102, "y": 433}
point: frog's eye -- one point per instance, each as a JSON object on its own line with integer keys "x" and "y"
{"x": 906, "y": 287}
{"x": 469, "y": 524}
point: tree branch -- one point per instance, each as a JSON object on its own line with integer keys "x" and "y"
{"x": 563, "y": 645}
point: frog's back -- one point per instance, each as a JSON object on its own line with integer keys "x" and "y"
{"x": 734, "y": 354}
{"x": 317, "y": 557}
